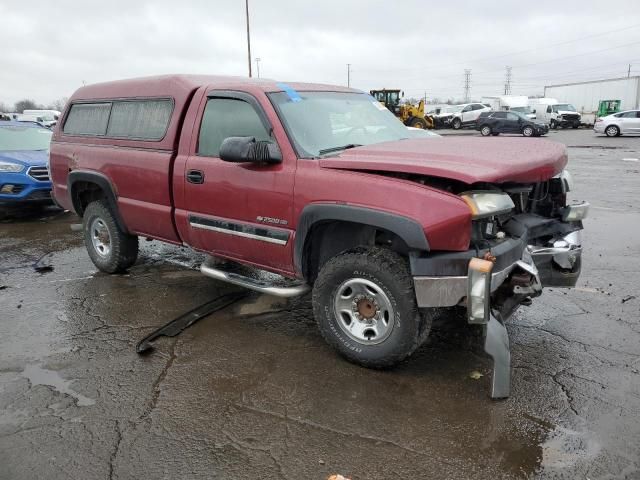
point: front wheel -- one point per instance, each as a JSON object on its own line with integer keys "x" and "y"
{"x": 110, "y": 249}
{"x": 485, "y": 131}
{"x": 420, "y": 123}
{"x": 365, "y": 307}
{"x": 612, "y": 131}
{"x": 527, "y": 132}
{"x": 553, "y": 125}
{"x": 456, "y": 124}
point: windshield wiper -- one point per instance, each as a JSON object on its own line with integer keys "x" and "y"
{"x": 337, "y": 149}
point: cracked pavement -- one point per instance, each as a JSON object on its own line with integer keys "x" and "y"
{"x": 252, "y": 391}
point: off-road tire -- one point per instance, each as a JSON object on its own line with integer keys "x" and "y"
{"x": 612, "y": 131}
{"x": 528, "y": 132}
{"x": 123, "y": 247}
{"x": 390, "y": 272}
{"x": 417, "y": 122}
{"x": 456, "y": 123}
{"x": 485, "y": 131}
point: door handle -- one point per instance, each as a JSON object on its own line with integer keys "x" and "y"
{"x": 195, "y": 176}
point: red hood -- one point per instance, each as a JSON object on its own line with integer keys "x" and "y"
{"x": 469, "y": 160}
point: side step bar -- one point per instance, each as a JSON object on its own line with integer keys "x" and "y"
{"x": 253, "y": 279}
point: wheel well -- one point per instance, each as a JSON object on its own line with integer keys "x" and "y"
{"x": 330, "y": 238}
{"x": 83, "y": 193}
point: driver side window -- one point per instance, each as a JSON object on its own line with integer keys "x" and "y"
{"x": 549, "y": 109}
{"x": 228, "y": 117}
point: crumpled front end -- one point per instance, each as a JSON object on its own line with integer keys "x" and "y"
{"x": 513, "y": 255}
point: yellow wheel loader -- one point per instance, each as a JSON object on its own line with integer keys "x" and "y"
{"x": 409, "y": 114}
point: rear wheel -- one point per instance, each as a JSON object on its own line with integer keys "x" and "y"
{"x": 365, "y": 306}
{"x": 612, "y": 131}
{"x": 485, "y": 131}
{"x": 456, "y": 124}
{"x": 110, "y": 249}
{"x": 527, "y": 131}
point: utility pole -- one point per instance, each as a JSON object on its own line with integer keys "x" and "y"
{"x": 349, "y": 75}
{"x": 425, "y": 97}
{"x": 507, "y": 82}
{"x": 467, "y": 84}
{"x": 258, "y": 66}
{"x": 248, "y": 37}
{"x": 629, "y": 71}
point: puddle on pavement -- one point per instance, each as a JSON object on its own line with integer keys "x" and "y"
{"x": 40, "y": 376}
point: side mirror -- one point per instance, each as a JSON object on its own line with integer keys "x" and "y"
{"x": 248, "y": 149}
{"x": 533, "y": 111}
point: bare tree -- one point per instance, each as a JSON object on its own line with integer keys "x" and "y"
{"x": 4, "y": 107}
{"x": 25, "y": 104}
{"x": 58, "y": 104}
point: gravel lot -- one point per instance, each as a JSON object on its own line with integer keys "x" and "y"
{"x": 253, "y": 392}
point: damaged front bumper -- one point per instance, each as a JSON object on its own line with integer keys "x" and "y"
{"x": 493, "y": 282}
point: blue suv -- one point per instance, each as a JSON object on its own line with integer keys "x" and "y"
{"x": 24, "y": 155}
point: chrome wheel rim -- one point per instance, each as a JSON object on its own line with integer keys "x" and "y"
{"x": 486, "y": 131}
{"x": 100, "y": 237}
{"x": 364, "y": 312}
{"x": 528, "y": 132}
{"x": 611, "y": 131}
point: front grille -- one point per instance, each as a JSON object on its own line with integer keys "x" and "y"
{"x": 570, "y": 116}
{"x": 39, "y": 173}
{"x": 39, "y": 195}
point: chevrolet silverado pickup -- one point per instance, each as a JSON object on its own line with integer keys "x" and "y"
{"x": 291, "y": 187}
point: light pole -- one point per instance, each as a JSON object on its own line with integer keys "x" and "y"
{"x": 248, "y": 37}
{"x": 258, "y": 66}
{"x": 348, "y": 75}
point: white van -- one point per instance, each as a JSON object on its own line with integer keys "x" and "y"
{"x": 554, "y": 113}
{"x": 44, "y": 113}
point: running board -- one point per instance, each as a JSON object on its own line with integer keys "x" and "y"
{"x": 254, "y": 279}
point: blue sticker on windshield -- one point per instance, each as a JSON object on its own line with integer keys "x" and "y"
{"x": 291, "y": 93}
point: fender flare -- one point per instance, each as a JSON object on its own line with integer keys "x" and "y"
{"x": 406, "y": 228}
{"x": 105, "y": 185}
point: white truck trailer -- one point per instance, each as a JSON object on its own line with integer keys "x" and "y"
{"x": 586, "y": 96}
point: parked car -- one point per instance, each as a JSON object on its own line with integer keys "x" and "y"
{"x": 24, "y": 152}
{"x": 468, "y": 114}
{"x": 495, "y": 123}
{"x": 622, "y": 123}
{"x": 321, "y": 186}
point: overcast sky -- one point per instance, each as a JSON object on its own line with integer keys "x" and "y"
{"x": 50, "y": 47}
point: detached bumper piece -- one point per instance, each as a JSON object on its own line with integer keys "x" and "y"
{"x": 174, "y": 327}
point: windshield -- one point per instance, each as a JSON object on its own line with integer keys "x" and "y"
{"x": 321, "y": 122}
{"x": 14, "y": 138}
{"x": 567, "y": 107}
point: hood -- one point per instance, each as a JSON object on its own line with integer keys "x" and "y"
{"x": 466, "y": 159}
{"x": 28, "y": 158}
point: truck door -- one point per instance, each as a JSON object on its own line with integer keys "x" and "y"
{"x": 241, "y": 211}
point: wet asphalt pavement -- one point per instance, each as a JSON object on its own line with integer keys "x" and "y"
{"x": 253, "y": 392}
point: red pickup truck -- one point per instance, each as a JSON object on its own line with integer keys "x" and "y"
{"x": 291, "y": 187}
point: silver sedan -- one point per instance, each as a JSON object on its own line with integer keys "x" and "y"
{"x": 621, "y": 123}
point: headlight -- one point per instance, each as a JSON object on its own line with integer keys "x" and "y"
{"x": 487, "y": 204}
{"x": 10, "y": 167}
